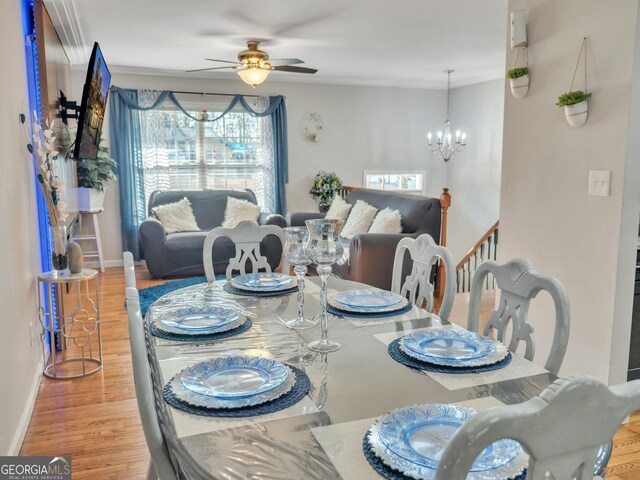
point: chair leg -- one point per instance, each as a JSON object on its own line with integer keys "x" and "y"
{"x": 151, "y": 471}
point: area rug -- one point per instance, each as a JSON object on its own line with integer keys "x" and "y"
{"x": 151, "y": 294}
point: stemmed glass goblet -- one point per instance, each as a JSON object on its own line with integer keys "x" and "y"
{"x": 324, "y": 249}
{"x": 295, "y": 253}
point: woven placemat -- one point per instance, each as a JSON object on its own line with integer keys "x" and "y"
{"x": 390, "y": 473}
{"x": 229, "y": 288}
{"x": 299, "y": 390}
{"x": 157, "y": 332}
{"x": 399, "y": 356}
{"x": 345, "y": 313}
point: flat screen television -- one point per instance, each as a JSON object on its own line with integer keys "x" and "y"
{"x": 93, "y": 106}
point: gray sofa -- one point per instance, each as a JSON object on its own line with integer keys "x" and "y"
{"x": 180, "y": 254}
{"x": 369, "y": 256}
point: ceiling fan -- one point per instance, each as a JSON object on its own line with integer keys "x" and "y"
{"x": 253, "y": 65}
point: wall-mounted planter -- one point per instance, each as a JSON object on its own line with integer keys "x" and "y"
{"x": 519, "y": 86}
{"x": 576, "y": 114}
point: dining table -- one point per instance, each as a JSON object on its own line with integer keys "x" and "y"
{"x": 321, "y": 436}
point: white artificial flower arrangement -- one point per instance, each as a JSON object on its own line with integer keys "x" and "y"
{"x": 44, "y": 146}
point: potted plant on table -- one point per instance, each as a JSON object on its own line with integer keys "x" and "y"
{"x": 576, "y": 108}
{"x": 93, "y": 176}
{"x": 325, "y": 186}
{"x": 519, "y": 81}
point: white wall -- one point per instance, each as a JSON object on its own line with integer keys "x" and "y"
{"x": 19, "y": 341}
{"x": 365, "y": 128}
{"x": 474, "y": 173}
{"x": 587, "y": 242}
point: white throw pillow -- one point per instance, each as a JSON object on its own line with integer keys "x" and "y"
{"x": 387, "y": 221}
{"x": 359, "y": 219}
{"x": 177, "y": 216}
{"x": 239, "y": 210}
{"x": 339, "y": 210}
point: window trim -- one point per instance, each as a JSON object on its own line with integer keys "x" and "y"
{"x": 423, "y": 173}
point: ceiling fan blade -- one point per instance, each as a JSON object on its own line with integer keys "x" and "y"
{"x": 207, "y": 69}
{"x": 223, "y": 61}
{"x": 276, "y": 62}
{"x": 287, "y": 68}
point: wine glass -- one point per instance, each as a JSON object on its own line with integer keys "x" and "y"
{"x": 324, "y": 249}
{"x": 295, "y": 253}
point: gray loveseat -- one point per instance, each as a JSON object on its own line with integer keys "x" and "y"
{"x": 369, "y": 256}
{"x": 180, "y": 254}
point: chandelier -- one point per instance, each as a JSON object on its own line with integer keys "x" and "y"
{"x": 446, "y": 146}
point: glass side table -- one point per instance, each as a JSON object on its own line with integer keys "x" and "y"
{"x": 76, "y": 325}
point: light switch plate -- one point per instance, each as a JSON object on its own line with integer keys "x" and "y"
{"x": 600, "y": 182}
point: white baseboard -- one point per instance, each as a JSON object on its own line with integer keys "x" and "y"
{"x": 25, "y": 418}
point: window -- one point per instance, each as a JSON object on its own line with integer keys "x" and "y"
{"x": 402, "y": 181}
{"x": 180, "y": 153}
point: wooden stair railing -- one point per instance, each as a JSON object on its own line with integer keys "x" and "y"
{"x": 485, "y": 249}
{"x": 445, "y": 203}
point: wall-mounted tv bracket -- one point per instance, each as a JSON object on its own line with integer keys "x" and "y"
{"x": 67, "y": 109}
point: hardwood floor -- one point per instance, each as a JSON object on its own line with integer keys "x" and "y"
{"x": 95, "y": 419}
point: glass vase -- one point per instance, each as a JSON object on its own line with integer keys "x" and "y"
{"x": 59, "y": 258}
{"x": 295, "y": 253}
{"x": 324, "y": 248}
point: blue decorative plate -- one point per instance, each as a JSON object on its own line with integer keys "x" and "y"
{"x": 234, "y": 377}
{"x": 452, "y": 347}
{"x": 368, "y": 299}
{"x": 205, "y": 401}
{"x": 412, "y": 439}
{"x": 263, "y": 281}
{"x": 199, "y": 317}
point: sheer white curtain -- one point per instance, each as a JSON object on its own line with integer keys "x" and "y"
{"x": 232, "y": 152}
{"x": 265, "y": 186}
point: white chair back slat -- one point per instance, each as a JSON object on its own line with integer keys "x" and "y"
{"x": 129, "y": 270}
{"x": 563, "y": 430}
{"x": 246, "y": 237}
{"x": 161, "y": 466}
{"x": 519, "y": 283}
{"x": 424, "y": 253}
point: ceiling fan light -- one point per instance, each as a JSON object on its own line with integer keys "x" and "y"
{"x": 253, "y": 76}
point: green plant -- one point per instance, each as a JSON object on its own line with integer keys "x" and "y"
{"x": 571, "y": 98}
{"x": 96, "y": 173}
{"x": 517, "y": 72}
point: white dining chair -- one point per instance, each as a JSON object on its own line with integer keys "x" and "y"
{"x": 160, "y": 465}
{"x": 246, "y": 237}
{"x": 519, "y": 283}
{"x": 424, "y": 253}
{"x": 129, "y": 270}
{"x": 562, "y": 430}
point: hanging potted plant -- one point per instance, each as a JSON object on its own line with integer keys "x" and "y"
{"x": 576, "y": 102}
{"x": 93, "y": 176}
{"x": 519, "y": 81}
{"x": 576, "y": 107}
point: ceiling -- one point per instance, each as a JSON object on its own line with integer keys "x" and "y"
{"x": 403, "y": 43}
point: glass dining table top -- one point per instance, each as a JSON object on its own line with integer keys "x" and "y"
{"x": 349, "y": 387}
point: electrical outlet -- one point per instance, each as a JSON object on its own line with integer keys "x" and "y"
{"x": 599, "y": 182}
